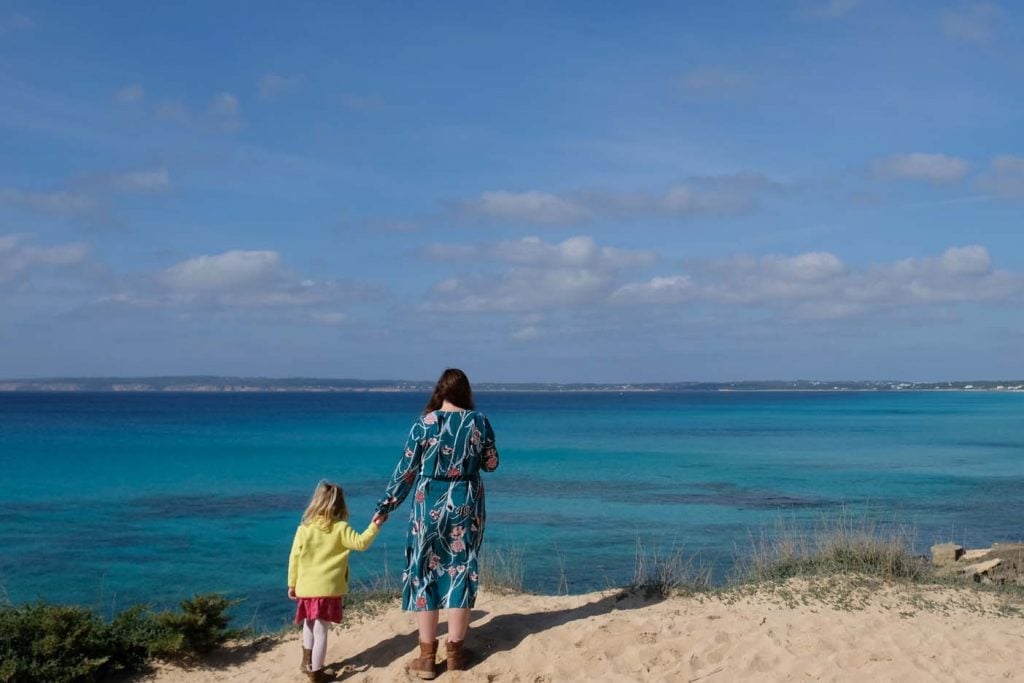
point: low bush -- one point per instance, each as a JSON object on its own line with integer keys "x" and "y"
{"x": 64, "y": 644}
{"x": 198, "y": 629}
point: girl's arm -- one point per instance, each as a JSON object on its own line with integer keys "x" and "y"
{"x": 406, "y": 470}
{"x": 489, "y": 452}
{"x": 356, "y": 541}
{"x": 293, "y": 559}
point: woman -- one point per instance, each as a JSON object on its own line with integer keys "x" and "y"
{"x": 448, "y": 446}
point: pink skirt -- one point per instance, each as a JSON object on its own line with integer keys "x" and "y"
{"x": 328, "y": 609}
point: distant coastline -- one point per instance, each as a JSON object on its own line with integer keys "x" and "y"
{"x": 216, "y": 384}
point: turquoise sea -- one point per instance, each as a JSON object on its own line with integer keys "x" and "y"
{"x": 110, "y": 499}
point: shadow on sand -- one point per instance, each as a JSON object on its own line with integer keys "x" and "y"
{"x": 502, "y": 633}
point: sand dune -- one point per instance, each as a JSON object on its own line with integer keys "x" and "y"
{"x": 890, "y": 633}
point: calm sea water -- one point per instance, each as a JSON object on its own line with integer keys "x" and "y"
{"x": 111, "y": 499}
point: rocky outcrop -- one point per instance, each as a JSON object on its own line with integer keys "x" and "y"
{"x": 1002, "y": 563}
{"x": 945, "y": 554}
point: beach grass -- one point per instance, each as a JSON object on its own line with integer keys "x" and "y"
{"x": 502, "y": 568}
{"x": 667, "y": 571}
{"x": 845, "y": 542}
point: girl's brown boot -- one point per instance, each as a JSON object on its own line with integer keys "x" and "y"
{"x": 318, "y": 676}
{"x": 425, "y": 666}
{"x": 307, "y": 659}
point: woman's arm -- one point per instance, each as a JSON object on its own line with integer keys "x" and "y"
{"x": 406, "y": 470}
{"x": 489, "y": 451}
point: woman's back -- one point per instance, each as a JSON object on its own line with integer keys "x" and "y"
{"x": 454, "y": 443}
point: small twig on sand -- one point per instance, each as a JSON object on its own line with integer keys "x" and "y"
{"x": 710, "y": 673}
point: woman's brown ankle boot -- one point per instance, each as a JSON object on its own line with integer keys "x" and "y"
{"x": 425, "y": 666}
{"x": 307, "y": 660}
{"x": 456, "y": 655}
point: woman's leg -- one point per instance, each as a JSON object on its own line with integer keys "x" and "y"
{"x": 319, "y": 644}
{"x": 425, "y": 666}
{"x": 426, "y": 622}
{"x": 458, "y": 624}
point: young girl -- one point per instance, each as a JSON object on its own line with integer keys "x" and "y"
{"x": 318, "y": 570}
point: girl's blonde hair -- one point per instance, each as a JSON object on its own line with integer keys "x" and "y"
{"x": 328, "y": 503}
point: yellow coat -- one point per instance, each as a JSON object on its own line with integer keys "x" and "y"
{"x": 318, "y": 564}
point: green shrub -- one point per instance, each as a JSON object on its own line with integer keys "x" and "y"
{"x": 54, "y": 643}
{"x": 133, "y": 632}
{"x": 41, "y": 643}
{"x": 198, "y": 629}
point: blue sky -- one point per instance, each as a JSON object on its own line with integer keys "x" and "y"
{"x": 531, "y": 191}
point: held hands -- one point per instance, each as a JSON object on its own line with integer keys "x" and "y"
{"x": 379, "y": 519}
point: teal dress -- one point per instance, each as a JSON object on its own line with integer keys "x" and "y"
{"x": 444, "y": 456}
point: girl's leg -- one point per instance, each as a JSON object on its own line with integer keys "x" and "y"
{"x": 319, "y": 644}
{"x": 426, "y": 622}
{"x": 458, "y": 624}
{"x": 307, "y": 634}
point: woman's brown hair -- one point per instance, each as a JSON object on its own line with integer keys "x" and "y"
{"x": 452, "y": 386}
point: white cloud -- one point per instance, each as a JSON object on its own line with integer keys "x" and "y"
{"x": 452, "y": 252}
{"x": 395, "y": 225}
{"x": 658, "y": 290}
{"x": 239, "y": 280}
{"x": 1004, "y": 178}
{"x": 575, "y": 252}
{"x": 974, "y": 22}
{"x": 224, "y": 272}
{"x": 154, "y": 180}
{"x": 133, "y": 93}
{"x": 541, "y": 275}
{"x": 701, "y": 195}
{"x": 173, "y": 110}
{"x": 528, "y": 207}
{"x": 528, "y": 333}
{"x": 15, "y": 22}
{"x": 820, "y": 285}
{"x": 20, "y": 261}
{"x": 274, "y": 85}
{"x": 931, "y": 168}
{"x": 828, "y": 9}
{"x": 362, "y": 103}
{"x": 225, "y": 112}
{"x": 86, "y": 197}
{"x": 532, "y": 276}
{"x": 57, "y": 201}
{"x": 712, "y": 81}
{"x": 332, "y": 319}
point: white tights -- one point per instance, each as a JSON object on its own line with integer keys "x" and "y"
{"x": 314, "y": 637}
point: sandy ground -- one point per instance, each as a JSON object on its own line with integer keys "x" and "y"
{"x": 869, "y": 634}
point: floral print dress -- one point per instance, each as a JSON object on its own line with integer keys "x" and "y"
{"x": 443, "y": 458}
